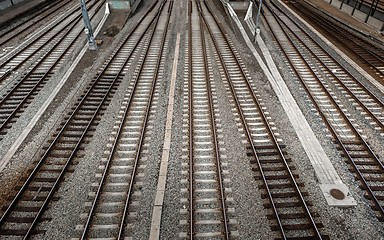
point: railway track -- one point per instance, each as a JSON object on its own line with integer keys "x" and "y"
{"x": 332, "y": 76}
{"x": 22, "y": 215}
{"x": 205, "y": 212}
{"x": 37, "y": 41}
{"x": 287, "y": 209}
{"x": 371, "y": 57}
{"x": 42, "y": 59}
{"x": 38, "y": 18}
{"x": 346, "y": 133}
{"x": 27, "y": 53}
{"x": 207, "y": 209}
{"x": 116, "y": 199}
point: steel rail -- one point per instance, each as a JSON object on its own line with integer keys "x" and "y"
{"x": 36, "y": 51}
{"x": 346, "y": 88}
{"x": 154, "y": 80}
{"x": 38, "y": 83}
{"x": 45, "y": 156}
{"x": 39, "y": 15}
{"x": 380, "y": 164}
{"x": 191, "y": 155}
{"x": 51, "y": 10}
{"x": 115, "y": 143}
{"x": 72, "y": 24}
{"x": 347, "y": 35}
{"x": 56, "y": 140}
{"x": 52, "y": 27}
{"x": 375, "y": 200}
{"x": 214, "y": 131}
{"x": 14, "y": 54}
{"x": 250, "y": 140}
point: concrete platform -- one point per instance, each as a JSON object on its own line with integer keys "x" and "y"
{"x": 239, "y": 6}
{"x": 120, "y": 5}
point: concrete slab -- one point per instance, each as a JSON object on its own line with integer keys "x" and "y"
{"x": 361, "y": 16}
{"x": 119, "y": 5}
{"x": 239, "y": 5}
{"x": 5, "y": 4}
{"x": 337, "y": 194}
{"x": 325, "y": 172}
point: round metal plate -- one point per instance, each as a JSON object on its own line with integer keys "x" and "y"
{"x": 336, "y": 193}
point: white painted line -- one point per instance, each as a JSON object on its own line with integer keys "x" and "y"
{"x": 325, "y": 172}
{"x": 249, "y": 12}
{"x": 249, "y": 19}
{"x": 161, "y": 183}
{"x": 107, "y": 11}
{"x": 346, "y": 58}
{"x": 7, "y": 157}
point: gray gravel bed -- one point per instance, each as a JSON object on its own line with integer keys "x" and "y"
{"x": 78, "y": 185}
{"x": 339, "y": 223}
{"x": 155, "y": 146}
{"x": 172, "y": 205}
{"x": 21, "y": 160}
{"x": 26, "y": 33}
{"x": 249, "y": 211}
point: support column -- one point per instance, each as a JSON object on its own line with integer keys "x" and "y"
{"x": 88, "y": 28}
{"x": 370, "y": 11}
{"x": 354, "y": 7}
{"x": 341, "y": 5}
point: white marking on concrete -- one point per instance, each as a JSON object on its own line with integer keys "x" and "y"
{"x": 346, "y": 58}
{"x": 325, "y": 172}
{"x": 7, "y": 157}
{"x": 159, "y": 200}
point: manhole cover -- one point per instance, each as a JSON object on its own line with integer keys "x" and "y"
{"x": 336, "y": 193}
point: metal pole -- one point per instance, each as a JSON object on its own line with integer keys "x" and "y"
{"x": 361, "y": 4}
{"x": 354, "y": 7}
{"x": 257, "y": 30}
{"x": 341, "y": 5}
{"x": 374, "y": 10}
{"x": 88, "y": 28}
{"x": 370, "y": 11}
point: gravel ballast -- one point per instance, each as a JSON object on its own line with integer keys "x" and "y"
{"x": 358, "y": 222}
